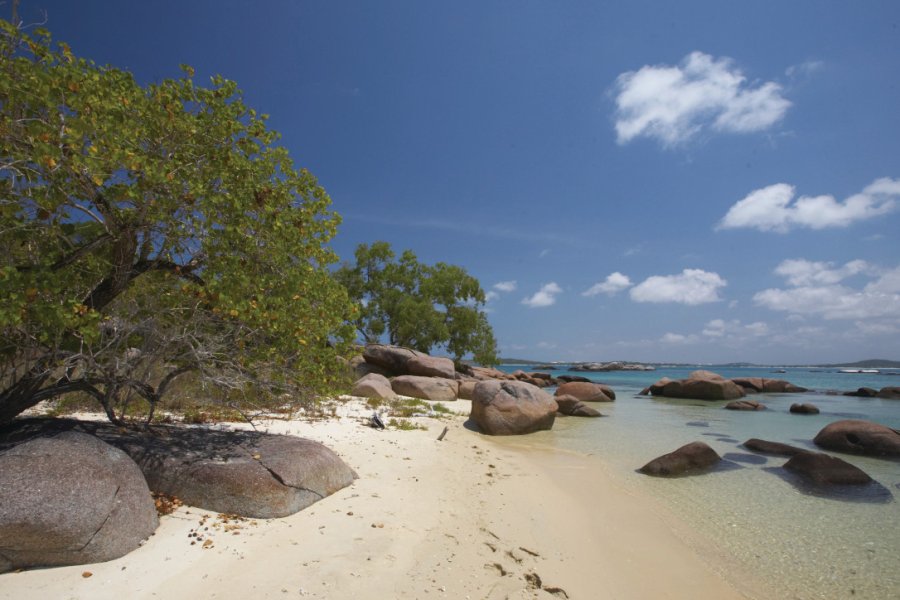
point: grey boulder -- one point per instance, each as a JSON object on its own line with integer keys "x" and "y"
{"x": 512, "y": 408}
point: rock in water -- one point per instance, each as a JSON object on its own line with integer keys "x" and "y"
{"x": 823, "y": 469}
{"x": 70, "y": 499}
{"x": 859, "y": 437}
{"x": 572, "y": 406}
{"x": 690, "y": 458}
{"x": 804, "y": 409}
{"x": 745, "y": 405}
{"x": 587, "y": 391}
{"x": 776, "y": 448}
{"x": 512, "y": 408}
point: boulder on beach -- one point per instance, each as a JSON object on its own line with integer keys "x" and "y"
{"x": 466, "y": 389}
{"x": 804, "y": 409}
{"x": 391, "y": 358}
{"x": 573, "y": 407}
{"x": 859, "y": 437}
{"x": 587, "y": 391}
{"x": 373, "y": 385}
{"x": 426, "y": 388}
{"x": 745, "y": 405}
{"x": 431, "y": 366}
{"x": 823, "y": 469}
{"x": 70, "y": 499}
{"x": 774, "y": 448}
{"x": 512, "y": 408}
{"x": 690, "y": 458}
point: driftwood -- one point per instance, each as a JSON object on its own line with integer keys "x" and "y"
{"x": 443, "y": 433}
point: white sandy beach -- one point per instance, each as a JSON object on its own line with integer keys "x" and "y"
{"x": 467, "y": 517}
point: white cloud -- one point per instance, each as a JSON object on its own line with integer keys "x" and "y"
{"x": 546, "y": 296}
{"x": 672, "y": 104}
{"x": 614, "y": 283}
{"x": 491, "y": 295}
{"x": 505, "y": 286}
{"x": 734, "y": 330}
{"x": 816, "y": 293}
{"x": 677, "y": 339}
{"x": 805, "y": 69}
{"x": 771, "y": 208}
{"x": 691, "y": 287}
{"x": 800, "y": 272}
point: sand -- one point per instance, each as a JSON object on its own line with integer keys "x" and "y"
{"x": 470, "y": 516}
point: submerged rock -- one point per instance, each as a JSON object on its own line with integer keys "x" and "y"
{"x": 863, "y": 392}
{"x": 690, "y": 458}
{"x": 823, "y": 469}
{"x": 774, "y": 448}
{"x": 572, "y": 406}
{"x": 745, "y": 405}
{"x": 804, "y": 409}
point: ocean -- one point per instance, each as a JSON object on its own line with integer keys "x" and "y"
{"x": 805, "y": 543}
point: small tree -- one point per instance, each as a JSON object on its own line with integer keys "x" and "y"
{"x": 152, "y": 231}
{"x": 416, "y": 305}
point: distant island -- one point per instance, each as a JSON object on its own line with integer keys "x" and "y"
{"x": 871, "y": 363}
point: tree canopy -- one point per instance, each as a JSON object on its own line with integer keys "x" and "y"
{"x": 417, "y": 305}
{"x": 148, "y": 231}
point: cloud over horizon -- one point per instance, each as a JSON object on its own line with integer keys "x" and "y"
{"x": 674, "y": 103}
{"x": 773, "y": 208}
{"x": 546, "y": 296}
{"x": 815, "y": 290}
{"x": 690, "y": 287}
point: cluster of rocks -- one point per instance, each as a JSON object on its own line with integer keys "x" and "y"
{"x": 888, "y": 393}
{"x": 611, "y": 366}
{"x": 502, "y": 403}
{"x": 706, "y": 385}
{"x": 850, "y": 436}
{"x": 74, "y": 492}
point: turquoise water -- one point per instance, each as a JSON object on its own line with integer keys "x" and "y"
{"x": 803, "y": 543}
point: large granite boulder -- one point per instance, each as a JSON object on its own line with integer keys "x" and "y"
{"x": 751, "y": 385}
{"x": 745, "y": 405}
{"x": 775, "y": 448}
{"x": 701, "y": 389}
{"x": 391, "y": 358}
{"x": 487, "y": 373}
{"x": 823, "y": 469}
{"x": 373, "y": 385}
{"x": 859, "y": 437}
{"x": 655, "y": 389}
{"x": 361, "y": 368}
{"x": 690, "y": 458}
{"x": 890, "y": 393}
{"x": 586, "y": 391}
{"x": 466, "y": 389}
{"x": 431, "y": 366}
{"x": 70, "y": 499}
{"x": 780, "y": 386}
{"x": 512, "y": 408}
{"x": 426, "y": 388}
{"x": 573, "y": 407}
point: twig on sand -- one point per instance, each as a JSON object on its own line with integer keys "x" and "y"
{"x": 443, "y": 433}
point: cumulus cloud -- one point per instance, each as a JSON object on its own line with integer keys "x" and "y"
{"x": 815, "y": 290}
{"x": 673, "y": 103}
{"x": 505, "y": 286}
{"x": 691, "y": 287}
{"x": 614, "y": 283}
{"x": 773, "y": 208}
{"x": 546, "y": 296}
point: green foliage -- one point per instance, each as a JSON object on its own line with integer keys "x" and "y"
{"x": 416, "y": 305}
{"x": 151, "y": 230}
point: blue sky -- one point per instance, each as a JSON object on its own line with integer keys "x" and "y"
{"x": 657, "y": 181}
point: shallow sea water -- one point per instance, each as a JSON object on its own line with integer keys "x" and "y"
{"x": 805, "y": 543}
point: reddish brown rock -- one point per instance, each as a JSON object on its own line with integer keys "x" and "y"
{"x": 572, "y": 406}
{"x": 373, "y": 385}
{"x": 780, "y": 386}
{"x": 568, "y": 378}
{"x": 391, "y": 358}
{"x": 804, "y": 409}
{"x": 745, "y": 405}
{"x": 702, "y": 389}
{"x": 775, "y": 448}
{"x": 823, "y": 469}
{"x": 752, "y": 385}
{"x": 431, "y": 366}
{"x": 512, "y": 408}
{"x": 426, "y": 388}
{"x": 690, "y": 458}
{"x": 890, "y": 393}
{"x": 587, "y": 391}
{"x": 863, "y": 392}
{"x": 466, "y": 389}
{"x": 859, "y": 437}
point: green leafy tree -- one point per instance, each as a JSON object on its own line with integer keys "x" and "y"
{"x": 416, "y": 305}
{"x": 150, "y": 231}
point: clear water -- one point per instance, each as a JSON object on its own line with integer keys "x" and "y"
{"x": 803, "y": 543}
